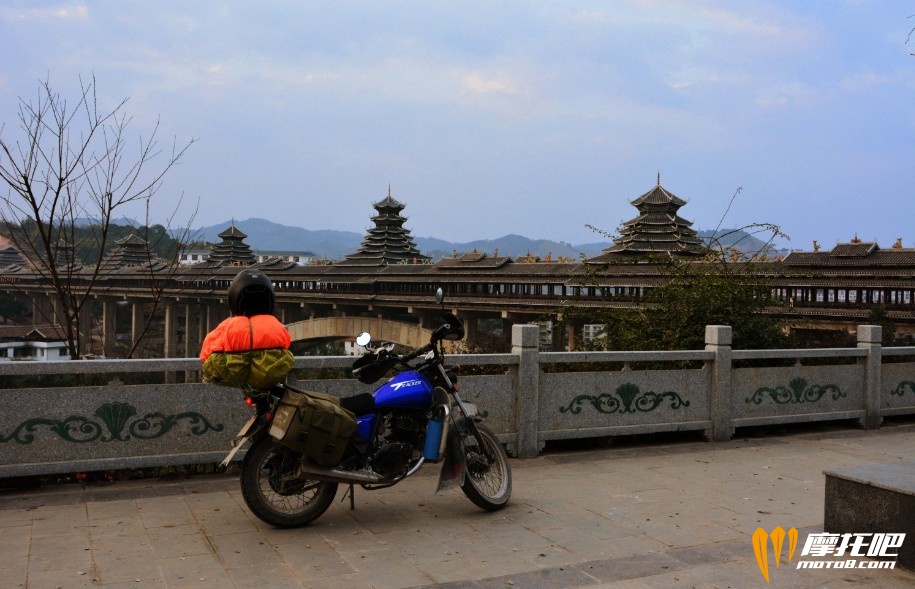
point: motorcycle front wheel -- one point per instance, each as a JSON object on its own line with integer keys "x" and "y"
{"x": 487, "y": 484}
{"x": 274, "y": 493}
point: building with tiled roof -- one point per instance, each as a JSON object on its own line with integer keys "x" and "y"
{"x": 657, "y": 231}
{"x": 130, "y": 251}
{"x": 232, "y": 251}
{"x": 388, "y": 242}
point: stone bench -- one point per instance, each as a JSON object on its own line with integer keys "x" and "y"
{"x": 871, "y": 499}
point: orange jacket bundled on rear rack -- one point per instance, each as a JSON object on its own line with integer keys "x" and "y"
{"x": 250, "y": 349}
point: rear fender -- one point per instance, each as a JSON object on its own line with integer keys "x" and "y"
{"x": 252, "y": 428}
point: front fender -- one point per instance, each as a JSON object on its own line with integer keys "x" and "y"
{"x": 454, "y": 466}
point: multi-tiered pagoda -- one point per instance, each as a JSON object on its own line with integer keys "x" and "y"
{"x": 131, "y": 251}
{"x": 657, "y": 231}
{"x": 388, "y": 242}
{"x": 232, "y": 251}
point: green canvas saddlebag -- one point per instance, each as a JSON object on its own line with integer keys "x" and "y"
{"x": 313, "y": 424}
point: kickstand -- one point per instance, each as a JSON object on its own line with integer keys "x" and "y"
{"x": 352, "y": 497}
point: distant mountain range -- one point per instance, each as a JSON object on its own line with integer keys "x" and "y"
{"x": 264, "y": 235}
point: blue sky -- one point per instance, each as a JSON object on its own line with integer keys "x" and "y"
{"x": 490, "y": 118}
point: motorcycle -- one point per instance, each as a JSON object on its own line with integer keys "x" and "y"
{"x": 415, "y": 417}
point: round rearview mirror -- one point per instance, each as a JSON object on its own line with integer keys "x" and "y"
{"x": 439, "y": 296}
{"x": 364, "y": 338}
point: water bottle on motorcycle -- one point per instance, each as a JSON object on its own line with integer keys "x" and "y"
{"x": 378, "y": 439}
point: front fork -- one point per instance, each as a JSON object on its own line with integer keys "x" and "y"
{"x": 470, "y": 417}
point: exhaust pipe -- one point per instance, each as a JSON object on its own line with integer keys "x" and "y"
{"x": 339, "y": 475}
{"x": 336, "y": 475}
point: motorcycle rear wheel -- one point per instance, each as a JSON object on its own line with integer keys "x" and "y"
{"x": 274, "y": 493}
{"x": 487, "y": 485}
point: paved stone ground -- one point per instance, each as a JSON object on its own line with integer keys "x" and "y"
{"x": 655, "y": 515}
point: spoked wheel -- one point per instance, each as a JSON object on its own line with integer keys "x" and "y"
{"x": 487, "y": 484}
{"x": 274, "y": 493}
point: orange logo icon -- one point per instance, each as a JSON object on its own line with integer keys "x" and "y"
{"x": 761, "y": 542}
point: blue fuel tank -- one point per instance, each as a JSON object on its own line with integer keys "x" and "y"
{"x": 408, "y": 389}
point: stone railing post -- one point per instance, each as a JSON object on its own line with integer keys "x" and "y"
{"x": 526, "y": 344}
{"x": 870, "y": 338}
{"x": 718, "y": 340}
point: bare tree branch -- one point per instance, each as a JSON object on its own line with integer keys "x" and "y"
{"x": 73, "y": 165}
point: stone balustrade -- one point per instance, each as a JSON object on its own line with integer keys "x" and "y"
{"x": 528, "y": 398}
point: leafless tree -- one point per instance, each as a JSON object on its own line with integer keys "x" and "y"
{"x": 74, "y": 166}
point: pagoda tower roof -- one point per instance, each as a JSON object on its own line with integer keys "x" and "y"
{"x": 388, "y": 242}
{"x": 232, "y": 251}
{"x": 131, "y": 251}
{"x": 657, "y": 230}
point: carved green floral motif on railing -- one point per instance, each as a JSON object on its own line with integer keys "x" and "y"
{"x": 906, "y": 386}
{"x": 116, "y": 420}
{"x": 626, "y": 399}
{"x": 797, "y": 391}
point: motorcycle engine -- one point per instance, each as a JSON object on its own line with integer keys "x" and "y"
{"x": 399, "y": 436}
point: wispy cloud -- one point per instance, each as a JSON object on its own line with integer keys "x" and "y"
{"x": 66, "y": 12}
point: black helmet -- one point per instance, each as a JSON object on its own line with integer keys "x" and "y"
{"x": 251, "y": 293}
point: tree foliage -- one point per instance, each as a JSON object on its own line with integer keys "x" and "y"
{"x": 673, "y": 316}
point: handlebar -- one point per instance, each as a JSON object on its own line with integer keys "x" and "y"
{"x": 418, "y": 352}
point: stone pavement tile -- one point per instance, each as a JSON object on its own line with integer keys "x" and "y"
{"x": 14, "y": 542}
{"x": 694, "y": 534}
{"x": 117, "y": 531}
{"x": 118, "y": 509}
{"x": 713, "y": 553}
{"x": 62, "y": 578}
{"x": 67, "y": 552}
{"x": 606, "y": 527}
{"x": 59, "y": 519}
{"x": 587, "y": 547}
{"x": 417, "y": 546}
{"x": 550, "y": 556}
{"x": 510, "y": 535}
{"x": 183, "y": 540}
{"x": 244, "y": 550}
{"x": 465, "y": 567}
{"x": 313, "y": 559}
{"x": 535, "y": 519}
{"x": 736, "y": 574}
{"x": 220, "y": 518}
{"x": 632, "y": 567}
{"x": 352, "y": 581}
{"x": 202, "y": 571}
{"x": 552, "y": 578}
{"x": 627, "y": 584}
{"x": 159, "y": 512}
{"x": 358, "y": 541}
{"x": 388, "y": 569}
{"x": 266, "y": 576}
{"x": 127, "y": 565}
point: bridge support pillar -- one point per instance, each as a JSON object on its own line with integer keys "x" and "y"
{"x": 109, "y": 326}
{"x": 170, "y": 347}
{"x": 192, "y": 326}
{"x": 84, "y": 326}
{"x": 137, "y": 321}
